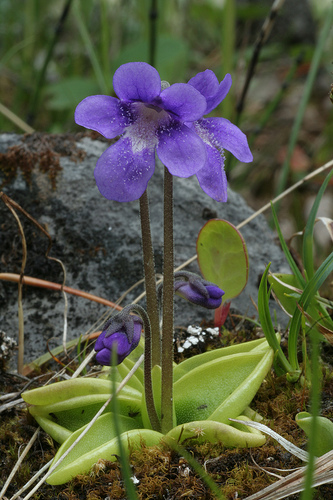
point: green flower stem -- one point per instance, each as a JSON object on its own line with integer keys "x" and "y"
{"x": 152, "y": 32}
{"x": 168, "y": 292}
{"x": 150, "y": 280}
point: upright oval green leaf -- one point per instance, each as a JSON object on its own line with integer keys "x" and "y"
{"x": 223, "y": 257}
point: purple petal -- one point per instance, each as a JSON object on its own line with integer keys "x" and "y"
{"x": 184, "y": 101}
{"x": 208, "y": 85}
{"x": 99, "y": 344}
{"x": 137, "y": 81}
{"x": 103, "y": 357}
{"x": 180, "y": 149}
{"x": 190, "y": 293}
{"x": 214, "y": 291}
{"x": 223, "y": 134}
{"x": 105, "y": 114}
{"x": 211, "y": 177}
{"x": 122, "y": 174}
{"x": 121, "y": 341}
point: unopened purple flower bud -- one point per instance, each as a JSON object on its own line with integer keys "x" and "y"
{"x": 200, "y": 292}
{"x": 124, "y": 334}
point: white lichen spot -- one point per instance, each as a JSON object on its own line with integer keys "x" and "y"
{"x": 213, "y": 331}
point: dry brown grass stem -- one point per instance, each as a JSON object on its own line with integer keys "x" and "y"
{"x": 294, "y": 483}
{"x": 19, "y": 462}
{"x": 50, "y": 285}
{"x": 15, "y": 119}
{"x": 8, "y": 202}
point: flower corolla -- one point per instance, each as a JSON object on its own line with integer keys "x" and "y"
{"x": 123, "y": 334}
{"x": 147, "y": 118}
{"x": 149, "y": 115}
{"x": 199, "y": 291}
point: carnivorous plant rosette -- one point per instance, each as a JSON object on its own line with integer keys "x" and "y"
{"x": 149, "y": 115}
{"x": 161, "y": 402}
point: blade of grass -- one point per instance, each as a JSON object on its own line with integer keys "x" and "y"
{"x": 308, "y": 232}
{"x": 315, "y": 401}
{"x": 305, "y": 98}
{"x": 262, "y": 37}
{"x": 291, "y": 262}
{"x": 123, "y": 458}
{"x": 30, "y": 29}
{"x": 90, "y": 49}
{"x": 153, "y": 32}
{"x": 41, "y": 77}
{"x": 105, "y": 42}
{"x": 198, "y": 469}
{"x": 228, "y": 49}
{"x": 267, "y": 325}
{"x": 15, "y": 119}
{"x": 309, "y": 292}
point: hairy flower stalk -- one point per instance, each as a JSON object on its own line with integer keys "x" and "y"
{"x": 168, "y": 293}
{"x": 122, "y": 332}
{"x": 150, "y": 280}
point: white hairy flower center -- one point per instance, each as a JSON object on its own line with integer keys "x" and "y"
{"x": 142, "y": 132}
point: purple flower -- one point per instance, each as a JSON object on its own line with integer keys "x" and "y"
{"x": 147, "y": 118}
{"x": 217, "y": 134}
{"x": 124, "y": 332}
{"x": 199, "y": 291}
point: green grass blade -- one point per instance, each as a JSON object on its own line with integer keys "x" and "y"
{"x": 125, "y": 469}
{"x": 198, "y": 469}
{"x": 315, "y": 403}
{"x": 305, "y": 98}
{"x": 267, "y": 325}
{"x": 228, "y": 49}
{"x": 105, "y": 42}
{"x": 308, "y": 232}
{"x": 309, "y": 292}
{"x": 285, "y": 249}
{"x": 90, "y": 49}
{"x": 33, "y": 108}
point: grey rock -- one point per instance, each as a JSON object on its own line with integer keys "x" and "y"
{"x": 98, "y": 240}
